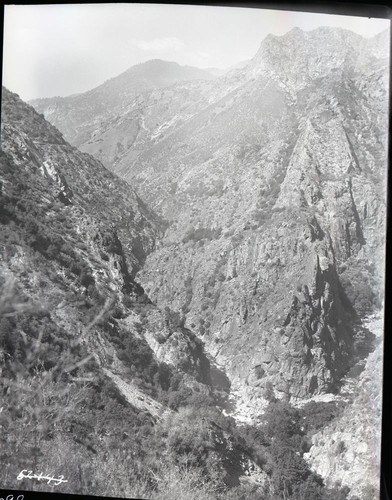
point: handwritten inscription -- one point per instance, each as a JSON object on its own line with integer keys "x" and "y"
{"x": 40, "y": 477}
{"x": 11, "y": 497}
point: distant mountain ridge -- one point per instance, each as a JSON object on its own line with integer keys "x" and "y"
{"x": 97, "y": 104}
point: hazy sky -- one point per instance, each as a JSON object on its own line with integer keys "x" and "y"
{"x": 63, "y": 49}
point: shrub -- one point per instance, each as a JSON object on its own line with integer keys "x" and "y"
{"x": 269, "y": 393}
{"x": 201, "y": 234}
{"x": 341, "y": 447}
{"x": 358, "y": 285}
{"x": 86, "y": 278}
{"x": 259, "y": 372}
{"x": 316, "y": 415}
{"x": 283, "y": 420}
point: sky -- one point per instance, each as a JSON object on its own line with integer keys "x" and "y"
{"x": 58, "y": 50}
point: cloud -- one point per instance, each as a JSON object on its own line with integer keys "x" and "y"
{"x": 160, "y": 44}
{"x": 178, "y": 50}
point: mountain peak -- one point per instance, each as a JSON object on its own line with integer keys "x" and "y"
{"x": 295, "y": 31}
{"x": 161, "y": 63}
{"x": 157, "y": 73}
{"x": 116, "y": 93}
{"x": 299, "y": 56}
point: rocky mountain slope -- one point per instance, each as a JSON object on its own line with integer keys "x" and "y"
{"x": 347, "y": 451}
{"x": 73, "y": 236}
{"x": 78, "y": 116}
{"x": 276, "y": 193}
{"x": 98, "y": 383}
{"x": 273, "y": 179}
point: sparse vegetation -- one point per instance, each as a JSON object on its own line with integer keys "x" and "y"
{"x": 201, "y": 233}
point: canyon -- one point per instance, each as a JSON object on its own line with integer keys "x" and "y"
{"x": 232, "y": 230}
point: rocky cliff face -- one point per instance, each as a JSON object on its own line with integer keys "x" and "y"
{"x": 347, "y": 451}
{"x": 277, "y": 196}
{"x": 273, "y": 180}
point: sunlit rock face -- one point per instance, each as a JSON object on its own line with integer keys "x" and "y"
{"x": 277, "y": 195}
{"x": 272, "y": 179}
